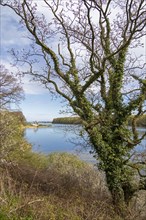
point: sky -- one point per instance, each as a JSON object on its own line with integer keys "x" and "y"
{"x": 38, "y": 104}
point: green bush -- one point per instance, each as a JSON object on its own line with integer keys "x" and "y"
{"x": 11, "y": 135}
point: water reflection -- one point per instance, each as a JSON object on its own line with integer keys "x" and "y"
{"x": 64, "y": 138}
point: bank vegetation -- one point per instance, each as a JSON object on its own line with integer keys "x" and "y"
{"x": 140, "y": 121}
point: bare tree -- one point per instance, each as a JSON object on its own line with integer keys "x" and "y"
{"x": 86, "y": 49}
{"x": 11, "y": 133}
{"x": 10, "y": 90}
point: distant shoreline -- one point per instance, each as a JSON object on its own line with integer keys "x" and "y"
{"x": 67, "y": 120}
{"x": 36, "y": 126}
{"x": 141, "y": 121}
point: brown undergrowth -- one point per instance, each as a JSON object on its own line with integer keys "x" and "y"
{"x": 63, "y": 188}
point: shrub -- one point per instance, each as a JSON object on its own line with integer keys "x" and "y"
{"x": 64, "y": 188}
{"x": 11, "y": 135}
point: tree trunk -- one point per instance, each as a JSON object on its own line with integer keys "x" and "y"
{"x": 117, "y": 192}
{"x": 111, "y": 153}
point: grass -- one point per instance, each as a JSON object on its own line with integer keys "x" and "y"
{"x": 62, "y": 187}
{"x": 54, "y": 187}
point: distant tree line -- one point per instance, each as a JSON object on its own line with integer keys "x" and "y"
{"x": 67, "y": 120}
{"x": 140, "y": 122}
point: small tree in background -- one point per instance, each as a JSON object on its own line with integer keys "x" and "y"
{"x": 86, "y": 50}
{"x": 10, "y": 89}
{"x": 10, "y": 122}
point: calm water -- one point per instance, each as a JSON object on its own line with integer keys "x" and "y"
{"x": 63, "y": 138}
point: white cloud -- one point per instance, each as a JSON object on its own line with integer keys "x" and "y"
{"x": 33, "y": 88}
{"x": 29, "y": 86}
{"x": 12, "y": 34}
